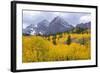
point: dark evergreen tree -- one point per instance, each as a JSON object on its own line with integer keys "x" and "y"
{"x": 79, "y": 30}
{"x": 82, "y": 41}
{"x": 54, "y": 40}
{"x": 69, "y": 40}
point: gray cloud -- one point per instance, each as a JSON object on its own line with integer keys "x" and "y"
{"x": 34, "y": 17}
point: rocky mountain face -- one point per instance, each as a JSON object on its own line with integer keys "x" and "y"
{"x": 29, "y": 29}
{"x": 59, "y": 25}
{"x": 42, "y": 27}
{"x": 84, "y": 25}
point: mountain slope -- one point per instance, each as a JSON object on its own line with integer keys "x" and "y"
{"x": 29, "y": 29}
{"x": 58, "y": 24}
{"x": 44, "y": 27}
{"x": 84, "y": 25}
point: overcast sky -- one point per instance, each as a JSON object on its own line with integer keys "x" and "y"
{"x": 73, "y": 18}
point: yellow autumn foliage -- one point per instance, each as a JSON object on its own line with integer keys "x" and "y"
{"x": 39, "y": 49}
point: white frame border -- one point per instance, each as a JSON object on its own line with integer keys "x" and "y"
{"x": 52, "y": 64}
